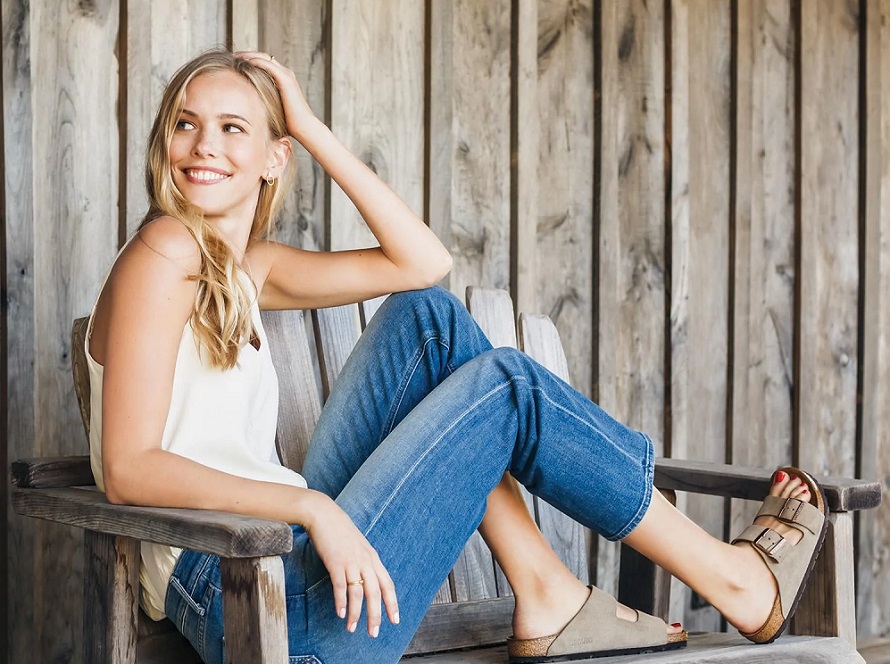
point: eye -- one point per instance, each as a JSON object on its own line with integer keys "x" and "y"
{"x": 233, "y": 129}
{"x": 184, "y": 125}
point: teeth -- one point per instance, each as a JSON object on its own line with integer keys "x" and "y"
{"x": 206, "y": 176}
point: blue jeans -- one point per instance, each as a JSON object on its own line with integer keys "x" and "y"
{"x": 420, "y": 427}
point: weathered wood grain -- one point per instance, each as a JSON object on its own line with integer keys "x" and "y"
{"x": 469, "y": 139}
{"x": 732, "y": 481}
{"x": 111, "y": 598}
{"x": 630, "y": 275}
{"x": 243, "y": 31}
{"x": 631, "y": 270}
{"x": 763, "y": 315}
{"x": 463, "y": 625}
{"x": 564, "y": 282}
{"x": 299, "y": 388}
{"x": 336, "y": 331}
{"x": 76, "y": 227}
{"x": 702, "y": 648}
{"x": 377, "y": 102}
{"x": 51, "y": 472}
{"x": 254, "y": 609}
{"x": 828, "y": 606}
{"x": 17, "y": 556}
{"x": 524, "y": 153}
{"x": 829, "y": 263}
{"x": 161, "y": 36}
{"x": 570, "y": 540}
{"x": 80, "y": 372}
{"x": 294, "y": 32}
{"x": 221, "y": 533}
{"x": 700, "y": 139}
{"x": 874, "y": 528}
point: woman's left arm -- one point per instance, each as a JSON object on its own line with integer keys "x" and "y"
{"x": 410, "y": 256}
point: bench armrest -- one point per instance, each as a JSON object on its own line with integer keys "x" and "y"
{"x": 51, "y": 472}
{"x": 716, "y": 479}
{"x": 221, "y": 533}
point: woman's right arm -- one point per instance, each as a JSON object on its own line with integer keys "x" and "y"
{"x": 137, "y": 331}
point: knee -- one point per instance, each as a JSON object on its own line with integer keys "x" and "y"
{"x": 425, "y": 297}
{"x": 428, "y": 304}
{"x": 504, "y": 360}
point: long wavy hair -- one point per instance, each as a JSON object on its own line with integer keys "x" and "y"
{"x": 221, "y": 320}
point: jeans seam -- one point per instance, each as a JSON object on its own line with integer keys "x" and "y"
{"x": 432, "y": 445}
{"x": 406, "y": 380}
{"x": 186, "y": 596}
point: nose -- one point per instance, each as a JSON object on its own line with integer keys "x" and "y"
{"x": 206, "y": 144}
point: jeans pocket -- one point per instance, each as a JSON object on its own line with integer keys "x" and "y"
{"x": 304, "y": 659}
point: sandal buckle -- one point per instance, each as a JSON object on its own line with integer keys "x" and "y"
{"x": 790, "y": 512}
{"x": 771, "y": 543}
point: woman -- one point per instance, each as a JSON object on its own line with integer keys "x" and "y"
{"x": 412, "y": 449}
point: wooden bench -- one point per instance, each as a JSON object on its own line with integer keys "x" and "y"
{"x": 472, "y": 611}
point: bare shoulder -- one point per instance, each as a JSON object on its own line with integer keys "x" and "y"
{"x": 150, "y": 289}
{"x": 170, "y": 239}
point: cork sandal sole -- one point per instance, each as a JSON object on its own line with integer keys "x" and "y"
{"x": 597, "y": 631}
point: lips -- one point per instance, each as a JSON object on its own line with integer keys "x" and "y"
{"x": 205, "y": 175}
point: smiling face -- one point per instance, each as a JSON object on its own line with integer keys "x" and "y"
{"x": 221, "y": 148}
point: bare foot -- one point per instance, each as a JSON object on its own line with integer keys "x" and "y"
{"x": 551, "y": 609}
{"x": 749, "y": 610}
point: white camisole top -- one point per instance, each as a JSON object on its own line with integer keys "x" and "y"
{"x": 223, "y": 419}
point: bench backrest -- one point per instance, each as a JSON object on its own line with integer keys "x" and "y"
{"x": 308, "y": 350}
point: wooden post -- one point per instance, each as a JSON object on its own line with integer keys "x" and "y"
{"x": 110, "y": 592}
{"x": 254, "y": 614}
{"x": 642, "y": 584}
{"x": 828, "y": 607}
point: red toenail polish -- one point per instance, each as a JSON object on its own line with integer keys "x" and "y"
{"x": 780, "y": 476}
{"x": 676, "y": 625}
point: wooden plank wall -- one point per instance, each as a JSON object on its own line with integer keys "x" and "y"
{"x": 696, "y": 191}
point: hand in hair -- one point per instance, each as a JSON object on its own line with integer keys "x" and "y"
{"x": 297, "y": 112}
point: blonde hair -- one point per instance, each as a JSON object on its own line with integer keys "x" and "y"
{"x": 221, "y": 319}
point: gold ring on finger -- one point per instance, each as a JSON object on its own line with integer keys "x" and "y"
{"x": 271, "y": 58}
{"x": 360, "y": 582}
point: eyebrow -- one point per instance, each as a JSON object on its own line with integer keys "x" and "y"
{"x": 221, "y": 116}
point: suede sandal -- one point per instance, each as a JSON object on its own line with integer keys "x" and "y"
{"x": 790, "y": 564}
{"x": 596, "y": 631}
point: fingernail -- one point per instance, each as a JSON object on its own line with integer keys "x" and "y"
{"x": 395, "y": 619}
{"x": 676, "y": 624}
{"x": 780, "y": 476}
{"x": 342, "y": 613}
{"x": 374, "y": 632}
{"x": 353, "y": 626}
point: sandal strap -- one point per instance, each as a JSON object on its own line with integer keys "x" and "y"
{"x": 793, "y": 511}
{"x": 766, "y": 540}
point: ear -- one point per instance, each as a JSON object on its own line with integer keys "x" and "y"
{"x": 279, "y": 155}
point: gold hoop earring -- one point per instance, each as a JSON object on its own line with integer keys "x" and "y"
{"x": 269, "y": 180}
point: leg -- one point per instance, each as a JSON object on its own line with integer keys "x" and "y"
{"x": 547, "y": 594}
{"x": 733, "y": 579}
{"x": 414, "y": 342}
{"x": 421, "y": 493}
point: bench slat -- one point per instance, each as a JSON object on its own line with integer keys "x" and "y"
{"x": 713, "y": 648}
{"x": 299, "y": 399}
